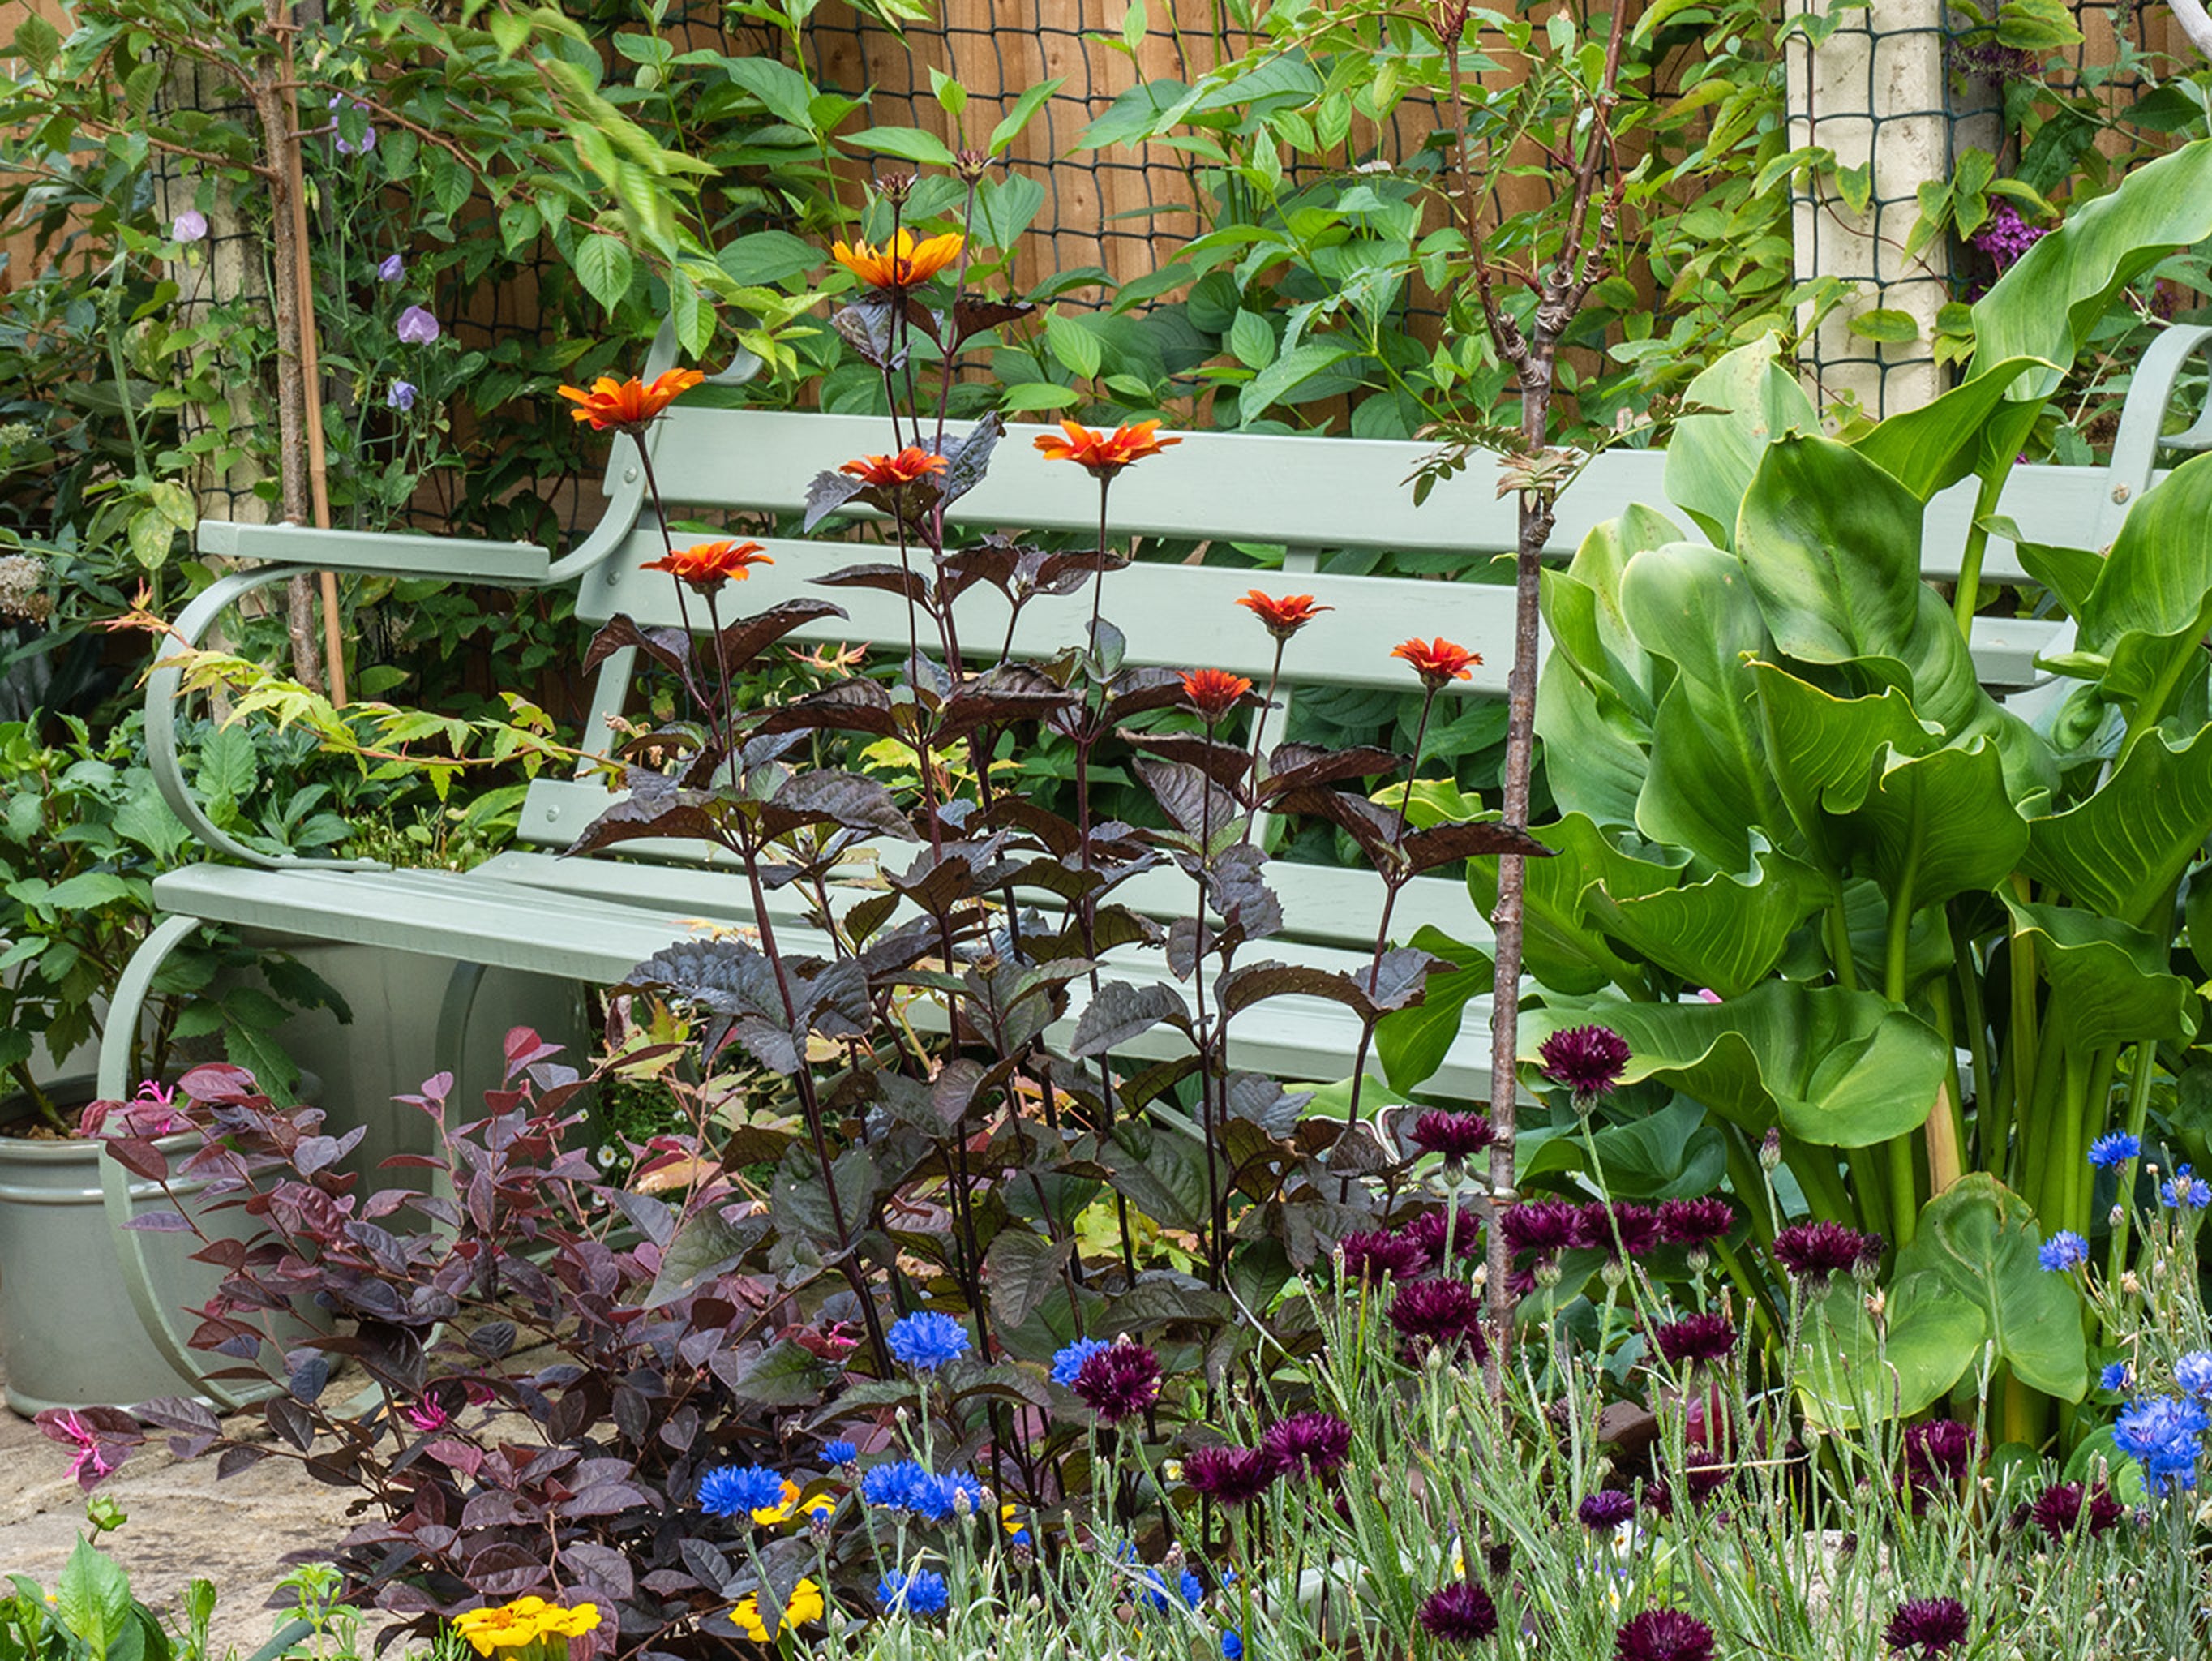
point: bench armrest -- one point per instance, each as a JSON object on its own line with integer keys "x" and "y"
{"x": 512, "y": 564}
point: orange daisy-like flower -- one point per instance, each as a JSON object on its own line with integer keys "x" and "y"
{"x": 889, "y": 472}
{"x": 707, "y": 566}
{"x": 627, "y": 405}
{"x": 902, "y": 262}
{"x": 1214, "y": 693}
{"x": 1285, "y": 616}
{"x": 1437, "y": 660}
{"x": 1104, "y": 454}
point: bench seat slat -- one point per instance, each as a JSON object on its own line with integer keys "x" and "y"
{"x": 1323, "y": 905}
{"x": 482, "y": 919}
{"x": 1181, "y": 617}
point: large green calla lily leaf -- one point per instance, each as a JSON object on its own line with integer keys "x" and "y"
{"x": 1597, "y": 698}
{"x": 1559, "y": 946}
{"x": 1825, "y": 748}
{"x": 1969, "y": 1282}
{"x": 1934, "y": 446}
{"x": 1725, "y": 932}
{"x": 2109, "y": 983}
{"x": 2121, "y": 851}
{"x": 1709, "y": 781}
{"x": 2047, "y": 304}
{"x": 1943, "y": 823}
{"x": 1848, "y": 1373}
{"x": 2147, "y": 611}
{"x": 1833, "y": 1067}
{"x": 1977, "y": 1244}
{"x": 1748, "y": 398}
{"x": 1831, "y": 543}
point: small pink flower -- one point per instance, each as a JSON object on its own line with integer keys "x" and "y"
{"x": 427, "y": 1414}
{"x": 1709, "y": 994}
{"x": 89, "y": 1456}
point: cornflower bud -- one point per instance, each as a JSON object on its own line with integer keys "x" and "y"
{"x": 1770, "y": 1152}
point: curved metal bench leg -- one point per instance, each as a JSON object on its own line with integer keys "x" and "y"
{"x": 125, "y": 1006}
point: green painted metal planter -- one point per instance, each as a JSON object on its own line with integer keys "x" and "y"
{"x": 69, "y": 1333}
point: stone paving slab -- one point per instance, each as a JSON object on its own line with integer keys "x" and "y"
{"x": 244, "y": 1533}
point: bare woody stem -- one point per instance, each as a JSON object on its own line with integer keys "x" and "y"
{"x": 1533, "y": 356}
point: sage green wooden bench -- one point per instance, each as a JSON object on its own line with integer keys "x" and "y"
{"x": 593, "y": 919}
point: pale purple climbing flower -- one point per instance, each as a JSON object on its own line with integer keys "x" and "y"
{"x": 391, "y": 269}
{"x": 401, "y": 397}
{"x": 417, "y": 327}
{"x": 190, "y": 226}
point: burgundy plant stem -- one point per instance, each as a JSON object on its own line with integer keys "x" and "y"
{"x": 1205, "y": 1105}
{"x": 1259, "y": 719}
{"x": 1391, "y": 884}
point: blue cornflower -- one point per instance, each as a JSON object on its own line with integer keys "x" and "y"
{"x": 1069, "y": 1362}
{"x": 2114, "y": 1148}
{"x": 2162, "y": 1432}
{"x": 2114, "y": 1377}
{"x": 927, "y": 1340}
{"x": 840, "y": 1453}
{"x": 892, "y": 1484}
{"x": 2184, "y": 1189}
{"x": 740, "y": 1490}
{"x": 923, "y": 1592}
{"x": 2064, "y": 1250}
{"x": 1232, "y": 1645}
{"x": 2193, "y": 1372}
{"x": 1188, "y": 1585}
{"x": 936, "y": 1498}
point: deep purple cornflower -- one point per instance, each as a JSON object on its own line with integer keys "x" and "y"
{"x": 1427, "y": 1231}
{"x": 1455, "y": 1135}
{"x": 1459, "y": 1614}
{"x": 1444, "y": 1313}
{"x": 1308, "y": 1444}
{"x": 1588, "y": 1059}
{"x": 417, "y": 327}
{"x": 1933, "y": 1626}
{"x": 1664, "y": 1635}
{"x": 1230, "y": 1476}
{"x": 1937, "y": 1457}
{"x": 1814, "y": 1251}
{"x": 1543, "y": 1226}
{"x": 1607, "y": 1508}
{"x": 1371, "y": 1254}
{"x": 1695, "y": 1222}
{"x": 1618, "y": 1231}
{"x": 1119, "y": 1380}
{"x": 1695, "y": 1339}
{"x": 2057, "y": 1510}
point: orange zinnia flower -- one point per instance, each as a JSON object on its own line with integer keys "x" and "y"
{"x": 901, "y": 263}
{"x": 1284, "y": 617}
{"x": 1214, "y": 693}
{"x": 1437, "y": 660}
{"x": 1104, "y": 454}
{"x": 627, "y": 405}
{"x": 889, "y": 472}
{"x": 707, "y": 565}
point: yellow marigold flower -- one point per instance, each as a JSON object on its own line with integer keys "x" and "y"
{"x": 901, "y": 263}
{"x": 524, "y": 1622}
{"x": 778, "y": 1512}
{"x": 805, "y": 1604}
